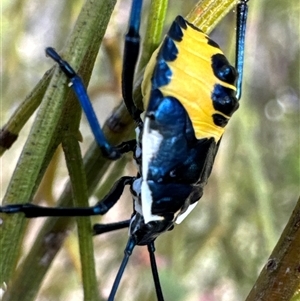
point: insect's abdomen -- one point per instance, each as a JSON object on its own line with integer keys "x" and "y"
{"x": 192, "y": 68}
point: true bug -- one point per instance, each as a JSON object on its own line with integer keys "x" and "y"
{"x": 174, "y": 160}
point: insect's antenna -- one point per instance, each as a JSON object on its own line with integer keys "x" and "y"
{"x": 241, "y": 20}
{"x": 151, "y": 250}
{"x": 127, "y": 252}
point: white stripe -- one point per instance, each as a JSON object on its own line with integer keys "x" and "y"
{"x": 151, "y": 142}
{"x": 182, "y": 216}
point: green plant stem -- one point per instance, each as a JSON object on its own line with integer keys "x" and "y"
{"x": 153, "y": 36}
{"x": 10, "y": 131}
{"x": 208, "y": 13}
{"x": 80, "y": 199}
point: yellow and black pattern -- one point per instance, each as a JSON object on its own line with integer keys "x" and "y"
{"x": 191, "y": 68}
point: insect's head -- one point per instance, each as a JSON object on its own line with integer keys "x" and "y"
{"x": 145, "y": 233}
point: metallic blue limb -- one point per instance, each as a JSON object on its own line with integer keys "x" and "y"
{"x": 135, "y": 18}
{"x": 108, "y": 150}
{"x": 87, "y": 107}
{"x": 242, "y": 13}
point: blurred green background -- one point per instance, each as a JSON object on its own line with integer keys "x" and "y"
{"x": 218, "y": 251}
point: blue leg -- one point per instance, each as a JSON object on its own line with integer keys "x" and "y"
{"x": 81, "y": 93}
{"x": 131, "y": 52}
{"x": 242, "y": 13}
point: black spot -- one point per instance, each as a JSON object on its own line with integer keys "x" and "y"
{"x": 220, "y": 120}
{"x": 222, "y": 69}
{"x": 168, "y": 50}
{"x": 224, "y": 100}
{"x": 175, "y": 31}
{"x": 193, "y": 26}
{"x": 212, "y": 43}
{"x": 155, "y": 99}
{"x": 181, "y": 22}
{"x": 162, "y": 74}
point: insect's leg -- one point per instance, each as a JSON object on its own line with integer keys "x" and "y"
{"x": 131, "y": 52}
{"x": 32, "y": 211}
{"x": 103, "y": 228}
{"x": 242, "y": 13}
{"x": 151, "y": 250}
{"x": 127, "y": 146}
{"x": 127, "y": 252}
{"x": 75, "y": 81}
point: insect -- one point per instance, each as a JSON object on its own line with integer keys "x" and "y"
{"x": 188, "y": 80}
